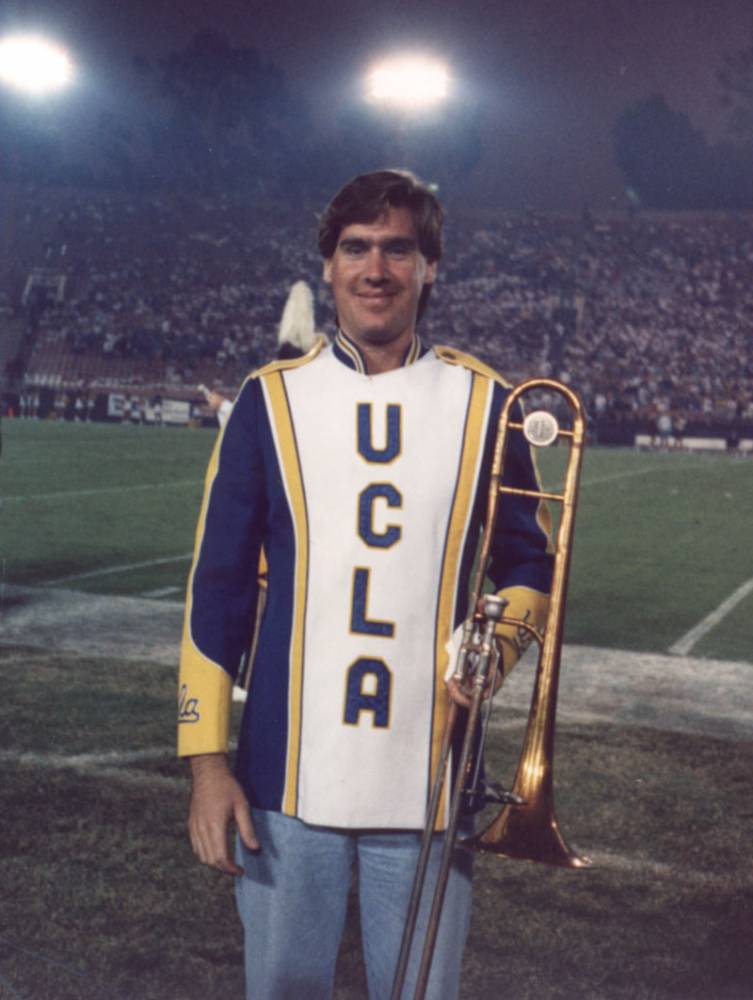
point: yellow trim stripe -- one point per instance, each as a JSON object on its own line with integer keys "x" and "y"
{"x": 347, "y": 348}
{"x": 413, "y": 351}
{"x": 453, "y": 357}
{"x": 287, "y": 451}
{"x": 473, "y": 440}
{"x": 467, "y": 361}
{"x": 285, "y": 363}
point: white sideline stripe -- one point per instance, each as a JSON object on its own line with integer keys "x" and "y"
{"x": 31, "y": 758}
{"x": 112, "y": 766}
{"x": 635, "y": 865}
{"x": 123, "y": 568}
{"x": 105, "y": 765}
{"x": 22, "y": 497}
{"x": 683, "y": 645}
{"x": 162, "y": 592}
{"x": 597, "y": 480}
{"x": 626, "y": 474}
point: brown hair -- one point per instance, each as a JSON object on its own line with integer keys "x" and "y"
{"x": 368, "y": 197}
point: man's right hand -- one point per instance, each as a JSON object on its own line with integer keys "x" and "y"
{"x": 216, "y": 800}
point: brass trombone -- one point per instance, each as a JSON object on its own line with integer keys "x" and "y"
{"x": 526, "y": 827}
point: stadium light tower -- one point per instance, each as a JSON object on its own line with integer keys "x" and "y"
{"x": 34, "y": 65}
{"x": 408, "y": 83}
{"x": 409, "y": 89}
{"x": 36, "y": 68}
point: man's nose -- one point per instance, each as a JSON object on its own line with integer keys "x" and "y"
{"x": 376, "y": 267}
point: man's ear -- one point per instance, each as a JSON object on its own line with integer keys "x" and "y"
{"x": 431, "y": 272}
{"x": 327, "y": 271}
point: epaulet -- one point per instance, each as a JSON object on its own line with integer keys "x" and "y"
{"x": 286, "y": 363}
{"x": 453, "y": 357}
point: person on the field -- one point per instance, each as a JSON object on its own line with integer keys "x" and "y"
{"x": 296, "y": 336}
{"x": 362, "y": 469}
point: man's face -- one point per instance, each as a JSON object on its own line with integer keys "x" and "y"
{"x": 377, "y": 274}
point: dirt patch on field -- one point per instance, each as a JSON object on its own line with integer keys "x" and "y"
{"x": 129, "y": 628}
{"x": 670, "y": 693}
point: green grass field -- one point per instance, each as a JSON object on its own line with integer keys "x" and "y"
{"x": 100, "y": 898}
{"x": 661, "y": 539}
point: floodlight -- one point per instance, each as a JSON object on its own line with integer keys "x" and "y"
{"x": 34, "y": 65}
{"x": 408, "y": 82}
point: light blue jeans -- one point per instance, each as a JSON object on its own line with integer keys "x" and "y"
{"x": 293, "y": 897}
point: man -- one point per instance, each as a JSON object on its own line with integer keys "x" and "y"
{"x": 362, "y": 470}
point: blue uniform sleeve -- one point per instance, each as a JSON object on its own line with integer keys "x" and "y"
{"x": 522, "y": 555}
{"x": 223, "y": 584}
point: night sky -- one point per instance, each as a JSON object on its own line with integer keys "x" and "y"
{"x": 550, "y": 76}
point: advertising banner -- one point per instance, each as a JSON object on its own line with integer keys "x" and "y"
{"x": 115, "y": 406}
{"x": 176, "y": 411}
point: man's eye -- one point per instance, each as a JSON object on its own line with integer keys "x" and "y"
{"x": 353, "y": 249}
{"x": 399, "y": 250}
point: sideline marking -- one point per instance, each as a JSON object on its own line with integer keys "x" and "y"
{"x": 597, "y": 480}
{"x": 114, "y": 766}
{"x": 626, "y": 474}
{"x": 96, "y": 765}
{"x": 111, "y": 766}
{"x": 124, "y": 568}
{"x": 683, "y": 645}
{"x": 162, "y": 592}
{"x": 637, "y": 865}
{"x": 33, "y": 758}
{"x": 22, "y": 497}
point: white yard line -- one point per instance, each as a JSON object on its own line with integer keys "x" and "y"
{"x": 634, "y": 865}
{"x": 84, "y": 760}
{"x": 162, "y": 592}
{"x": 684, "y": 645}
{"x": 110, "y": 766}
{"x": 115, "y": 767}
{"x": 64, "y": 494}
{"x": 611, "y": 477}
{"x": 122, "y": 568}
{"x": 625, "y": 474}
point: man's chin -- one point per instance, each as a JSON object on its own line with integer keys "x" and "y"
{"x": 375, "y": 334}
{"x": 378, "y": 336}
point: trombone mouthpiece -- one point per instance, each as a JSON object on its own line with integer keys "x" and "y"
{"x": 494, "y": 607}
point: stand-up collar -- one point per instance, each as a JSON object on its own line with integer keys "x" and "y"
{"x": 350, "y": 354}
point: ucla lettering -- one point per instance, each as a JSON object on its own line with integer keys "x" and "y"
{"x": 368, "y": 687}
{"x": 392, "y": 446}
{"x": 523, "y": 637}
{"x": 387, "y": 538}
{"x": 369, "y": 681}
{"x": 188, "y": 708}
{"x": 359, "y": 620}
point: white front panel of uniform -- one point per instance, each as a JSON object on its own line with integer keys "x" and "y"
{"x": 367, "y": 698}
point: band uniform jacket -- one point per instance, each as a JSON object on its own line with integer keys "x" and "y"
{"x": 367, "y": 496}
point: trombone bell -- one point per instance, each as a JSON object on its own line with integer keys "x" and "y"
{"x": 530, "y": 832}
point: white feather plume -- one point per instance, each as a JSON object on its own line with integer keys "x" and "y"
{"x": 297, "y": 326}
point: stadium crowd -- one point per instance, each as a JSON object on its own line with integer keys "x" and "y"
{"x": 648, "y": 317}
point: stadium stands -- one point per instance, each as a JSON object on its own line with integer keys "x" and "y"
{"x": 646, "y": 316}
